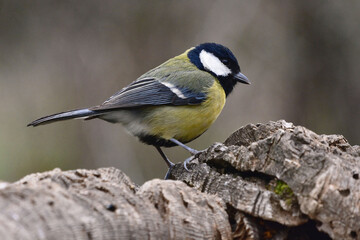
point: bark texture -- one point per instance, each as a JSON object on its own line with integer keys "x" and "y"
{"x": 105, "y": 204}
{"x": 267, "y": 181}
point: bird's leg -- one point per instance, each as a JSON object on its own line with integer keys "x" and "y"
{"x": 192, "y": 151}
{"x": 168, "y": 162}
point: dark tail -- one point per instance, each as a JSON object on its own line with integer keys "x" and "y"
{"x": 81, "y": 113}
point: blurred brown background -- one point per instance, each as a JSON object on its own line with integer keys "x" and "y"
{"x": 302, "y": 58}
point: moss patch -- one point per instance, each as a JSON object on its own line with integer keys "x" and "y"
{"x": 281, "y": 189}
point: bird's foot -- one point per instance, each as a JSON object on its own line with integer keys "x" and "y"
{"x": 187, "y": 161}
{"x": 190, "y": 159}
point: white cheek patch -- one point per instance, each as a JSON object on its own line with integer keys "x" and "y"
{"x": 174, "y": 89}
{"x": 213, "y": 64}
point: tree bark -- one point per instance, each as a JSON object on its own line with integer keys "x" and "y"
{"x": 267, "y": 181}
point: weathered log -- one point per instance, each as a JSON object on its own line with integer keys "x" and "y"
{"x": 266, "y": 181}
{"x": 105, "y": 204}
{"x": 284, "y": 174}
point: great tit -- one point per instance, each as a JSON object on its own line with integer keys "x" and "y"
{"x": 173, "y": 103}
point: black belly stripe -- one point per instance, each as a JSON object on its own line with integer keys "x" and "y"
{"x": 155, "y": 141}
{"x": 159, "y": 141}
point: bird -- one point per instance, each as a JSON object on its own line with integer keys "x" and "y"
{"x": 172, "y": 104}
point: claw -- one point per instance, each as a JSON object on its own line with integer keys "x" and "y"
{"x": 186, "y": 162}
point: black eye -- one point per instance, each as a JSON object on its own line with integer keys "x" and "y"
{"x": 225, "y": 61}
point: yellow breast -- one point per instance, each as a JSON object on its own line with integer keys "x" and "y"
{"x": 186, "y": 123}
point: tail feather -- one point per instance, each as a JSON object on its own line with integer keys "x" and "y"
{"x": 81, "y": 113}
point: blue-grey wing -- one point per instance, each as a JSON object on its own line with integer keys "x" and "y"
{"x": 151, "y": 92}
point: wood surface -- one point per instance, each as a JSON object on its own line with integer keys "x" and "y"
{"x": 266, "y": 181}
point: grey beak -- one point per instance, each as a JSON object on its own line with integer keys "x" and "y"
{"x": 241, "y": 78}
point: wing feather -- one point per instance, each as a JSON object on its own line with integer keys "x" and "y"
{"x": 151, "y": 92}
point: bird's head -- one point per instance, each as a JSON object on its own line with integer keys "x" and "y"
{"x": 220, "y": 62}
